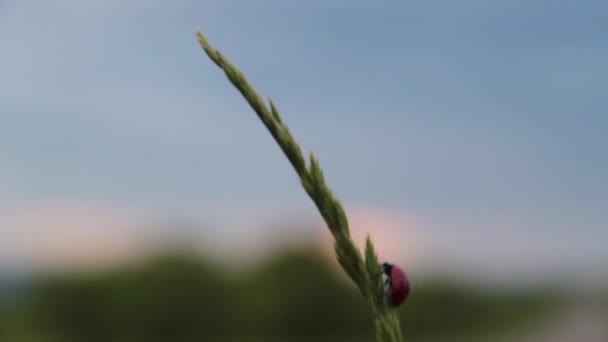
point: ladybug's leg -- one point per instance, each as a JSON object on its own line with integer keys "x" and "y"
{"x": 387, "y": 286}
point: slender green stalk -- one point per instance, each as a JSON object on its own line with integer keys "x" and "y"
{"x": 364, "y": 272}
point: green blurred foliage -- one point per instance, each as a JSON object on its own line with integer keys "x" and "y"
{"x": 294, "y": 296}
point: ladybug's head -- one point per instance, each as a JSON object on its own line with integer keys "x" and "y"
{"x": 386, "y": 267}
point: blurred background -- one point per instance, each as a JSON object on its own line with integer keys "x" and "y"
{"x": 142, "y": 200}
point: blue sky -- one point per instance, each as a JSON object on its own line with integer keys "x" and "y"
{"x": 483, "y": 120}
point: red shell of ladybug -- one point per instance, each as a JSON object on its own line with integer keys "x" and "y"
{"x": 398, "y": 284}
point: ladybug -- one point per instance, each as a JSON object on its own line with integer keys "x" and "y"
{"x": 397, "y": 284}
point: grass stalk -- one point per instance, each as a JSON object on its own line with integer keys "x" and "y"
{"x": 363, "y": 270}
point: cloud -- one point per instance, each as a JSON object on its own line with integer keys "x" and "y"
{"x": 483, "y": 249}
{"x": 398, "y": 236}
{"x": 52, "y": 235}
{"x": 60, "y": 234}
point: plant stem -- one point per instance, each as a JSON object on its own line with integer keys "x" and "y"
{"x": 365, "y": 273}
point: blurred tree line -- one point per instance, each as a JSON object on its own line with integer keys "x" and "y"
{"x": 295, "y": 296}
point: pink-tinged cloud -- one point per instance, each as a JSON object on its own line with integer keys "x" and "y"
{"x": 58, "y": 235}
{"x": 396, "y": 235}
